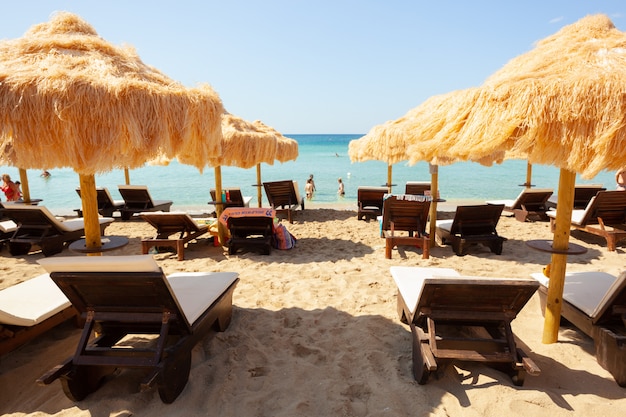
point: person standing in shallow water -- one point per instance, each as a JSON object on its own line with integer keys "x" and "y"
{"x": 313, "y": 183}
{"x": 308, "y": 189}
{"x": 341, "y": 190}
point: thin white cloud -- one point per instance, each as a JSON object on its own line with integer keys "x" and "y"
{"x": 556, "y": 19}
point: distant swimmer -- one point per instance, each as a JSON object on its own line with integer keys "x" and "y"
{"x": 45, "y": 174}
{"x": 336, "y": 154}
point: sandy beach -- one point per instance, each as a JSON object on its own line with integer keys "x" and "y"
{"x": 315, "y": 332}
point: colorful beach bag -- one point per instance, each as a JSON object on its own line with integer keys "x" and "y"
{"x": 282, "y": 238}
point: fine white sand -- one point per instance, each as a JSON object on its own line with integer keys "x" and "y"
{"x": 315, "y": 332}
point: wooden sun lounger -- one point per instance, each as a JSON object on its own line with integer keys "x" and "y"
{"x": 404, "y": 222}
{"x": 472, "y": 225}
{"x": 531, "y": 203}
{"x": 236, "y": 198}
{"x": 130, "y": 295}
{"x": 38, "y": 227}
{"x": 417, "y": 187}
{"x": 462, "y": 318}
{"x": 370, "y": 202}
{"x": 137, "y": 199}
{"x": 583, "y": 193}
{"x": 604, "y": 216}
{"x": 284, "y": 197}
{"x": 595, "y": 302}
{"x": 250, "y": 233}
{"x": 29, "y": 309}
{"x": 171, "y": 223}
{"x": 106, "y": 204}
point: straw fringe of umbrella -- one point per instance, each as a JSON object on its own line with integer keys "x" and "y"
{"x": 71, "y": 99}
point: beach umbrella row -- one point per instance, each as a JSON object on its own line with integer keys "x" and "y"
{"x": 71, "y": 99}
{"x": 562, "y": 103}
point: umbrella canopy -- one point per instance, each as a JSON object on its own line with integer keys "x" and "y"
{"x": 246, "y": 144}
{"x": 389, "y": 142}
{"x": 71, "y": 99}
{"x": 563, "y": 103}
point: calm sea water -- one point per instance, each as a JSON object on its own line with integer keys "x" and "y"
{"x": 324, "y": 156}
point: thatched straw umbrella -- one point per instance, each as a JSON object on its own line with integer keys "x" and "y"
{"x": 563, "y": 103}
{"x": 71, "y": 99}
{"x": 246, "y": 144}
{"x": 388, "y": 142}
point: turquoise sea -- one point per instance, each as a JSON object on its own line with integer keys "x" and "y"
{"x": 324, "y": 156}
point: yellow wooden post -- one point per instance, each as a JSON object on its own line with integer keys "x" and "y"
{"x": 126, "y": 176}
{"x": 24, "y": 185}
{"x": 258, "y": 184}
{"x": 219, "y": 208}
{"x": 90, "y": 212}
{"x": 434, "y": 191}
{"x": 389, "y": 169}
{"x": 560, "y": 241}
{"x": 529, "y": 174}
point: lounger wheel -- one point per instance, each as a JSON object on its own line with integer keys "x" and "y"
{"x": 82, "y": 381}
{"x": 49, "y": 250}
{"x": 174, "y": 376}
{"x": 19, "y": 248}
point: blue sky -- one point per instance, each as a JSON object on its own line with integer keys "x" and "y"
{"x": 323, "y": 66}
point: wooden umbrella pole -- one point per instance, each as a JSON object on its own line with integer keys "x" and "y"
{"x": 219, "y": 208}
{"x": 89, "y": 199}
{"x": 434, "y": 191}
{"x": 24, "y": 185}
{"x": 565, "y": 204}
{"x": 529, "y": 174}
{"x": 258, "y": 184}
{"x": 389, "y": 169}
{"x": 126, "y": 176}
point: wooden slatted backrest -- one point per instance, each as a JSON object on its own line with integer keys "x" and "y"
{"x": 476, "y": 220}
{"x": 281, "y": 193}
{"x": 610, "y": 206}
{"x": 406, "y": 214}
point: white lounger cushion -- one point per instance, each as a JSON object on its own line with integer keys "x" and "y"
{"x": 130, "y": 263}
{"x": 195, "y": 291}
{"x": 410, "y": 281}
{"x": 31, "y": 302}
{"x": 444, "y": 224}
{"x": 8, "y": 226}
{"x": 578, "y": 215}
{"x": 67, "y": 225}
{"x": 587, "y": 291}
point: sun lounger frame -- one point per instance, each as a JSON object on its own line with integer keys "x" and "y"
{"x": 283, "y": 196}
{"x": 607, "y": 328}
{"x": 137, "y": 198}
{"x": 482, "y": 307}
{"x": 473, "y": 225}
{"x": 370, "y": 202}
{"x": 122, "y": 303}
{"x": 168, "y": 224}
{"x": 604, "y": 216}
{"x": 404, "y": 223}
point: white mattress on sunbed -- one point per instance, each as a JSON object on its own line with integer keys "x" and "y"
{"x": 587, "y": 291}
{"x": 31, "y": 302}
{"x": 195, "y": 291}
{"x": 410, "y": 281}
